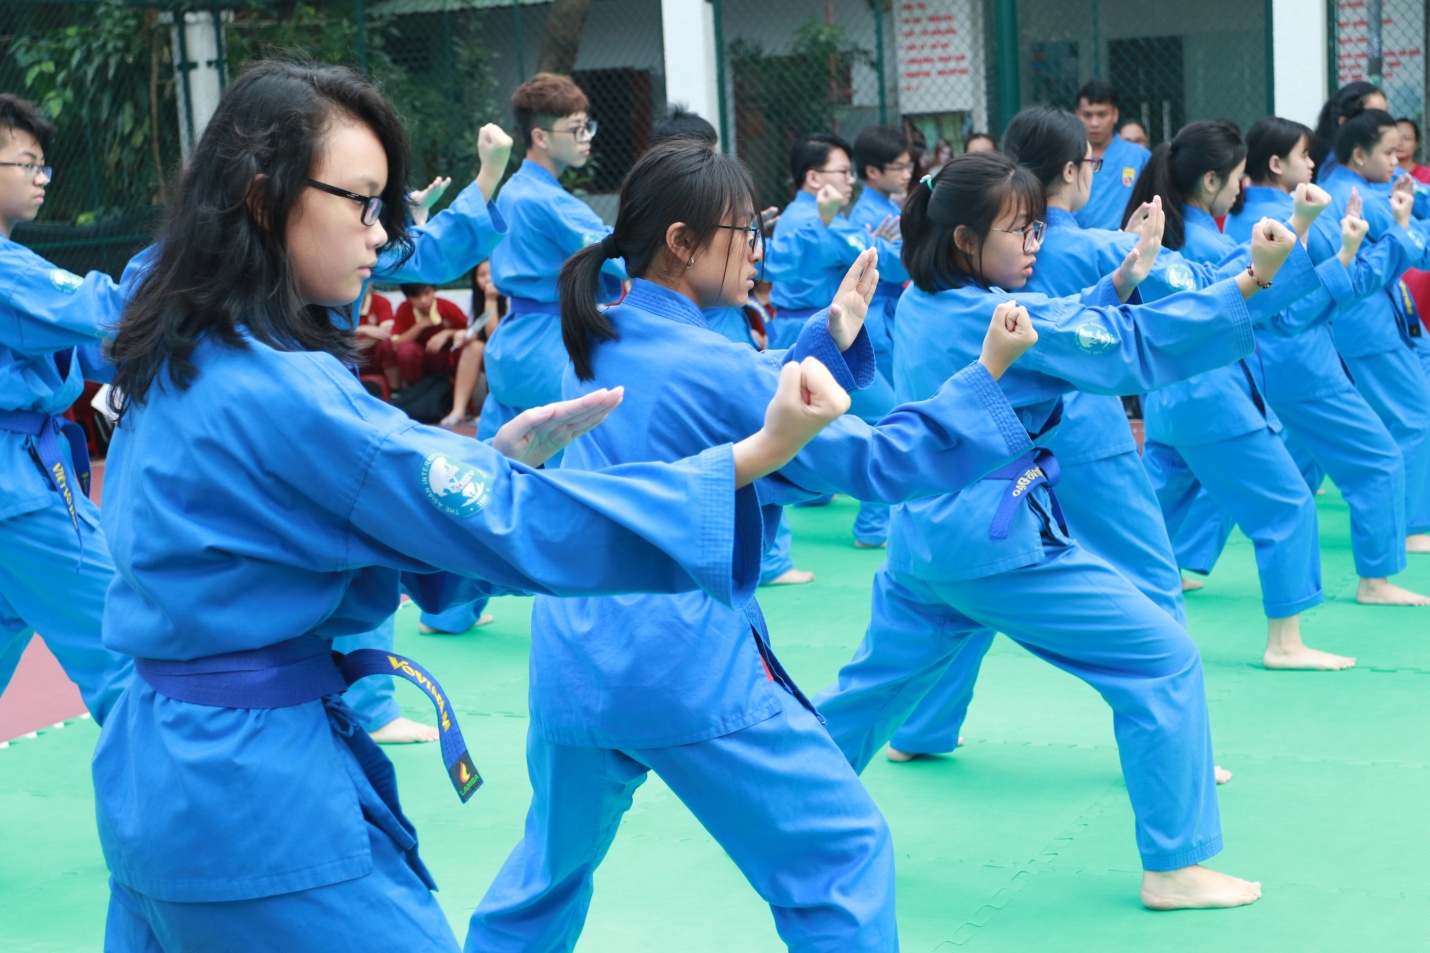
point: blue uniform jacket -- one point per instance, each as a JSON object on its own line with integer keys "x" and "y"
{"x": 806, "y": 259}
{"x": 1307, "y": 367}
{"x": 869, "y": 212}
{"x": 651, "y": 671}
{"x": 546, "y": 226}
{"x": 1381, "y": 322}
{"x": 45, "y": 310}
{"x": 275, "y": 498}
{"x": 1090, "y": 343}
{"x": 1230, "y": 401}
{"x": 450, "y": 243}
{"x": 1112, "y": 185}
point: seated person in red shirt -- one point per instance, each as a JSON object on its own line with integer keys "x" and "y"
{"x": 424, "y": 333}
{"x": 374, "y": 338}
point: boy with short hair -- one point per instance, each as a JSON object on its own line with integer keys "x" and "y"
{"x": 1122, "y": 161}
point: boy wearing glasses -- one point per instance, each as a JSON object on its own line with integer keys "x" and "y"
{"x": 54, "y": 563}
{"x": 546, "y": 225}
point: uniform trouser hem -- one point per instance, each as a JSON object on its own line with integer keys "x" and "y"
{"x": 1162, "y": 863}
{"x": 1280, "y": 610}
{"x": 1418, "y": 528}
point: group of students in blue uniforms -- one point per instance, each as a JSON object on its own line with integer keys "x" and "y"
{"x": 952, "y": 353}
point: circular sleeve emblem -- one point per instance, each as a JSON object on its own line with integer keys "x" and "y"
{"x": 455, "y": 488}
{"x": 65, "y": 281}
{"x": 1179, "y": 276}
{"x": 1093, "y": 338}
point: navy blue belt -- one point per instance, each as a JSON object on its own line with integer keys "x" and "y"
{"x": 1033, "y": 469}
{"x": 302, "y": 670}
{"x": 47, "y": 429}
{"x": 532, "y": 306}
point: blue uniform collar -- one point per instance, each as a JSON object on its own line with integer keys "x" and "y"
{"x": 1268, "y": 195}
{"x": 539, "y": 171}
{"x": 802, "y": 198}
{"x": 1195, "y": 216}
{"x": 659, "y": 300}
{"x": 1060, "y": 218}
{"x": 877, "y": 199}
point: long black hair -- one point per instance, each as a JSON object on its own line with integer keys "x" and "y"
{"x": 221, "y": 266}
{"x": 1273, "y": 136}
{"x": 1347, "y": 102}
{"x": 1364, "y": 129}
{"x": 679, "y": 180}
{"x": 971, "y": 191}
{"x": 1176, "y": 167}
{"x": 1044, "y": 139}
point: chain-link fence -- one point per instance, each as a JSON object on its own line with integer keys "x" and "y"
{"x": 1384, "y": 41}
{"x": 124, "y": 78}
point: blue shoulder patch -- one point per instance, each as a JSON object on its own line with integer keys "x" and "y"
{"x": 456, "y": 488}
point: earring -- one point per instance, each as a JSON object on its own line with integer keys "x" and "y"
{"x": 691, "y": 263}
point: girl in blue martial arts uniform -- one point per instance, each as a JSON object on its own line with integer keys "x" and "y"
{"x": 995, "y": 556}
{"x": 54, "y": 561}
{"x": 260, "y": 502}
{"x": 1330, "y": 428}
{"x": 684, "y": 685}
{"x": 1206, "y": 434}
{"x": 1380, "y": 338}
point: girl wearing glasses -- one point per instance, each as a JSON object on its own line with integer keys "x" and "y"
{"x": 1094, "y": 446}
{"x": 54, "y": 561}
{"x": 1206, "y": 434}
{"x": 683, "y": 685}
{"x": 996, "y": 556}
{"x": 261, "y": 502}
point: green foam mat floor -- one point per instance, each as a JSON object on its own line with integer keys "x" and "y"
{"x": 1020, "y": 842}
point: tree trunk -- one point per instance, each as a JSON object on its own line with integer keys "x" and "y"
{"x": 561, "y": 40}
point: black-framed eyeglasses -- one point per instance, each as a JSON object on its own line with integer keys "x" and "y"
{"x": 1095, "y": 163}
{"x": 757, "y": 238}
{"x": 1032, "y": 234}
{"x": 582, "y": 133}
{"x": 846, "y": 172}
{"x": 33, "y": 169}
{"x": 371, "y": 204}
{"x": 898, "y": 167}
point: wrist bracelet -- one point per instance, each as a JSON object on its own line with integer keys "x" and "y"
{"x": 1263, "y": 285}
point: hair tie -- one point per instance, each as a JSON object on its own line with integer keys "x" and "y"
{"x": 609, "y": 247}
{"x": 927, "y": 180}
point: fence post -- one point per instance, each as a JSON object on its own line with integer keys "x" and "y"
{"x": 878, "y": 6}
{"x": 1333, "y": 65}
{"x": 1270, "y": 55}
{"x": 727, "y": 139}
{"x": 1374, "y": 50}
{"x": 520, "y": 41}
{"x": 1010, "y": 96}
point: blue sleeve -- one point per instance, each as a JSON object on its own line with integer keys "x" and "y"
{"x": 44, "y": 309}
{"x": 854, "y": 368}
{"x": 1134, "y": 348}
{"x": 572, "y": 225}
{"x": 93, "y": 364}
{"x": 811, "y": 246}
{"x": 451, "y": 243}
{"x": 891, "y": 264}
{"x": 1296, "y": 278}
{"x": 925, "y": 448}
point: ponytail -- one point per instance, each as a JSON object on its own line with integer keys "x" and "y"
{"x": 1177, "y": 166}
{"x": 675, "y": 181}
{"x": 971, "y": 191}
{"x": 1347, "y": 102}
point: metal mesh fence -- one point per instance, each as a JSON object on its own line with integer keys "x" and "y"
{"x": 123, "y": 77}
{"x": 1384, "y": 41}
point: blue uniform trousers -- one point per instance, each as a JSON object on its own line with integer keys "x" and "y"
{"x": 776, "y": 560}
{"x": 45, "y": 586}
{"x": 457, "y": 619}
{"x": 777, "y": 796}
{"x": 871, "y": 405}
{"x": 1253, "y": 480}
{"x": 385, "y": 910}
{"x": 1202, "y": 527}
{"x": 1076, "y": 612}
{"x": 1343, "y": 438}
{"x": 1112, "y": 512}
{"x": 1394, "y": 384}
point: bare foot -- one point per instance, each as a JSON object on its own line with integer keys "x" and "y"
{"x": 1222, "y": 775}
{"x": 1381, "y": 592}
{"x": 903, "y": 757}
{"x": 1190, "y": 584}
{"x": 1285, "y": 650}
{"x": 403, "y": 731}
{"x": 881, "y": 544}
{"x": 1417, "y": 543}
{"x": 1196, "y": 888}
{"x": 792, "y": 577}
{"x": 1320, "y": 492}
{"x": 1301, "y": 658}
{"x": 426, "y": 629}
